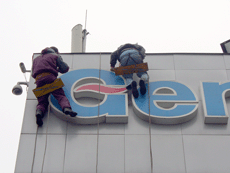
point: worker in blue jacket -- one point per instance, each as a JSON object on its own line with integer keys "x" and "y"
{"x": 130, "y": 54}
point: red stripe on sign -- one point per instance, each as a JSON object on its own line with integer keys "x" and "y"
{"x": 103, "y": 89}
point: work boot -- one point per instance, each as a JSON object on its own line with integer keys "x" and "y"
{"x": 69, "y": 111}
{"x": 39, "y": 116}
{"x": 134, "y": 90}
{"x": 142, "y": 87}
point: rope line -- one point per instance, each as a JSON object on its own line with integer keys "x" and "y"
{"x": 98, "y": 119}
{"x": 151, "y": 154}
{"x": 46, "y": 139}
{"x": 35, "y": 145}
{"x": 63, "y": 167}
{"x": 37, "y": 134}
{"x": 47, "y": 131}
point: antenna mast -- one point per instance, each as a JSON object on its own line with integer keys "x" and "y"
{"x": 85, "y": 18}
{"x": 84, "y": 34}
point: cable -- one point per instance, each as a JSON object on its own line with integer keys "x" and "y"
{"x": 85, "y": 18}
{"x": 37, "y": 133}
{"x": 35, "y": 145}
{"x": 63, "y": 167}
{"x": 98, "y": 118}
{"x": 46, "y": 139}
{"x": 45, "y": 142}
{"x": 47, "y": 131}
{"x": 151, "y": 154}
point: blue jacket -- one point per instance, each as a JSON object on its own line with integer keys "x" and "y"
{"x": 116, "y": 54}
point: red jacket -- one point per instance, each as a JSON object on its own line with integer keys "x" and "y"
{"x": 49, "y": 62}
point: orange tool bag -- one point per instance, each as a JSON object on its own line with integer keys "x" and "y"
{"x": 131, "y": 69}
{"x": 38, "y": 92}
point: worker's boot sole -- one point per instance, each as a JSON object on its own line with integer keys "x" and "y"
{"x": 142, "y": 87}
{"x": 39, "y": 116}
{"x": 68, "y": 111}
{"x": 39, "y": 120}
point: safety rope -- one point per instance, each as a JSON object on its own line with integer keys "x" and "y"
{"x": 98, "y": 119}
{"x": 46, "y": 138}
{"x": 63, "y": 167}
{"x": 151, "y": 155}
{"x": 35, "y": 145}
{"x": 67, "y": 94}
{"x": 37, "y": 134}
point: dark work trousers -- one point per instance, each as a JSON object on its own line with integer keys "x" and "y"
{"x": 58, "y": 94}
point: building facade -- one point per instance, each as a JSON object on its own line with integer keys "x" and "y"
{"x": 197, "y": 143}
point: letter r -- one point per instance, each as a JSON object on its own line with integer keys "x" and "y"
{"x": 213, "y": 99}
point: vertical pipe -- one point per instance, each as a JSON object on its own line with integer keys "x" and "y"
{"x": 76, "y": 45}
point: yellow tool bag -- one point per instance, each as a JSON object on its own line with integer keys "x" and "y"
{"x": 38, "y": 92}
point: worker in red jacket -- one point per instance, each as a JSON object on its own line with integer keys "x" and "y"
{"x": 45, "y": 71}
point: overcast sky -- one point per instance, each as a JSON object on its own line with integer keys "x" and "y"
{"x": 161, "y": 26}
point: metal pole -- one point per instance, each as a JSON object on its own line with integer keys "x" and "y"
{"x": 84, "y": 34}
